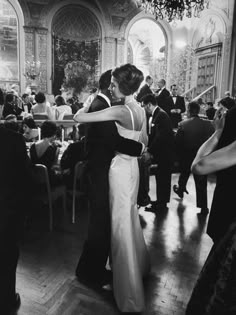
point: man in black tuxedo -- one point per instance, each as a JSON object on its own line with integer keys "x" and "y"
{"x": 160, "y": 150}
{"x": 102, "y": 140}
{"x": 161, "y": 94}
{"x": 145, "y": 89}
{"x": 175, "y": 106}
{"x": 191, "y": 134}
{"x": 16, "y": 183}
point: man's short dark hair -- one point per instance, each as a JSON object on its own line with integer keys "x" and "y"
{"x": 25, "y": 95}
{"x": 105, "y": 80}
{"x": 173, "y": 85}
{"x": 40, "y": 97}
{"x": 149, "y": 98}
{"x": 194, "y": 108}
{"x": 9, "y": 98}
{"x": 48, "y": 129}
{"x": 148, "y": 77}
{"x": 162, "y": 81}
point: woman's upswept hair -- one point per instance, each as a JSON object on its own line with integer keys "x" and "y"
{"x": 128, "y": 77}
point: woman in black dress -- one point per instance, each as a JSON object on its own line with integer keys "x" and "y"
{"x": 45, "y": 151}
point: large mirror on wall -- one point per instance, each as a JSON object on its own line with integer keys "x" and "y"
{"x": 9, "y": 69}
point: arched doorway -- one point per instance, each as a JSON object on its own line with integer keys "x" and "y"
{"x": 76, "y": 48}
{"x": 147, "y": 48}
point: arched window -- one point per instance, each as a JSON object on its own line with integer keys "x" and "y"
{"x": 9, "y": 53}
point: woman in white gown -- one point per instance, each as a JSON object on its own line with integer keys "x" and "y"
{"x": 130, "y": 260}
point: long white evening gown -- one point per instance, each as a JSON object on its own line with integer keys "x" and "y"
{"x": 130, "y": 259}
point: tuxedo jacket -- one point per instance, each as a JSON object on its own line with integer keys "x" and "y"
{"x": 161, "y": 98}
{"x": 191, "y": 134}
{"x": 179, "y": 104}
{"x": 161, "y": 139}
{"x": 103, "y": 139}
{"x": 145, "y": 90}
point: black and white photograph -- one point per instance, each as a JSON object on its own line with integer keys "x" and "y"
{"x": 118, "y": 157}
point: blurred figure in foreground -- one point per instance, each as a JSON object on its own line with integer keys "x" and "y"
{"x": 214, "y": 292}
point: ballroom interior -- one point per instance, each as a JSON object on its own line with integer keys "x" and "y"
{"x": 198, "y": 52}
{"x": 45, "y": 42}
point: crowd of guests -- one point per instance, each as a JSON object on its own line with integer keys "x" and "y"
{"x": 145, "y": 132}
{"x": 36, "y": 104}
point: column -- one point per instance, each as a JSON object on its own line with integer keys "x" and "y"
{"x": 120, "y": 47}
{"x": 109, "y": 53}
{"x": 41, "y": 55}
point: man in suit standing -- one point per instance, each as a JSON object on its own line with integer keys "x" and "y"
{"x": 161, "y": 94}
{"x": 160, "y": 150}
{"x": 175, "y": 106}
{"x": 16, "y": 183}
{"x": 102, "y": 140}
{"x": 145, "y": 89}
{"x": 191, "y": 134}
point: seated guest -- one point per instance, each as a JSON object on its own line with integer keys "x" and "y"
{"x": 61, "y": 108}
{"x": 44, "y": 151}
{"x": 41, "y": 107}
{"x": 29, "y": 129}
{"x": 27, "y": 104}
{"x": 10, "y": 107}
{"x": 210, "y": 111}
{"x": 74, "y": 153}
{"x": 74, "y": 103}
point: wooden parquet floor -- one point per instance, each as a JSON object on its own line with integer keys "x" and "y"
{"x": 177, "y": 244}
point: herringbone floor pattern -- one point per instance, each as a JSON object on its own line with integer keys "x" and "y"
{"x": 177, "y": 244}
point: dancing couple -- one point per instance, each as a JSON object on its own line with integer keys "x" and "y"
{"x": 114, "y": 140}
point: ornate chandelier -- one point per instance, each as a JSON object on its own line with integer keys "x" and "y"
{"x": 173, "y": 9}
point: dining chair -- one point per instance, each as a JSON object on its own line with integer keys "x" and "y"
{"x": 40, "y": 117}
{"x": 68, "y": 117}
{"x": 51, "y": 194}
{"x": 77, "y": 190}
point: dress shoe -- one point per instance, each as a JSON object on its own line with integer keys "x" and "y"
{"x": 179, "y": 192}
{"x": 144, "y": 203}
{"x": 204, "y": 212}
{"x": 95, "y": 283}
